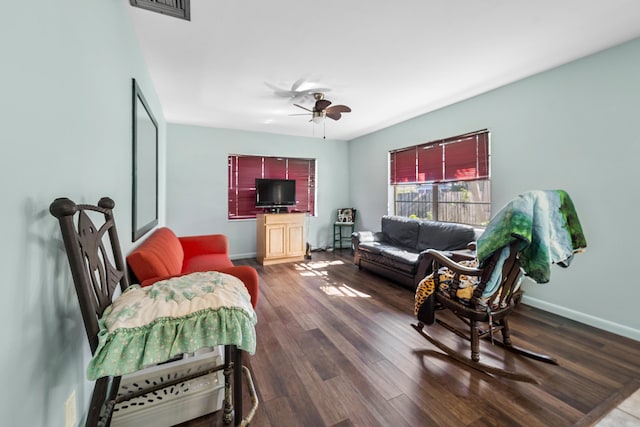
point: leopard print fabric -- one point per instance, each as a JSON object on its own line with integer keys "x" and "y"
{"x": 426, "y": 289}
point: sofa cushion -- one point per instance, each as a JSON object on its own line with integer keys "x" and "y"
{"x": 371, "y": 247}
{"x": 206, "y": 262}
{"x": 444, "y": 236}
{"x": 400, "y": 231}
{"x": 401, "y": 255}
{"x": 160, "y": 255}
{"x": 388, "y": 262}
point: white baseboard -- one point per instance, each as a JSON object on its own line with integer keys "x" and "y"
{"x": 242, "y": 256}
{"x": 587, "y": 319}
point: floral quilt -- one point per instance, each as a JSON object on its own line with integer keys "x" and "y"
{"x": 150, "y": 325}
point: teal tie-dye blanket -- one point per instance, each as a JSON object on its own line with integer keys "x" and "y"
{"x": 547, "y": 226}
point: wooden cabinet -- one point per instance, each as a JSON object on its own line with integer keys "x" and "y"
{"x": 280, "y": 237}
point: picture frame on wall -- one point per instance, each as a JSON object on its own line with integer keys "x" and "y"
{"x": 145, "y": 165}
{"x": 346, "y": 215}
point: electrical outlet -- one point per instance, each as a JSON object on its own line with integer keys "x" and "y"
{"x": 70, "y": 410}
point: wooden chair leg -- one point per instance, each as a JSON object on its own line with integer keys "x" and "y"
{"x": 506, "y": 333}
{"x": 233, "y": 373}
{"x": 98, "y": 398}
{"x": 227, "y": 414}
{"x": 104, "y": 396}
{"x": 475, "y": 341}
{"x": 237, "y": 385}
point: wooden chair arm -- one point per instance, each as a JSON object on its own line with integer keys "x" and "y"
{"x": 444, "y": 261}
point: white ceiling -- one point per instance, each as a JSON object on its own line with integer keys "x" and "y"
{"x": 388, "y": 60}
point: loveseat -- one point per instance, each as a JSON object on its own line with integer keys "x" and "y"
{"x": 163, "y": 255}
{"x": 398, "y": 250}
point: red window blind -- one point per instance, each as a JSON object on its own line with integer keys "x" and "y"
{"x": 430, "y": 163}
{"x": 302, "y": 171}
{"x": 458, "y": 158}
{"x": 232, "y": 168}
{"x": 466, "y": 159}
{"x": 403, "y": 166}
{"x": 243, "y": 171}
{"x": 274, "y": 167}
{"x": 242, "y": 186}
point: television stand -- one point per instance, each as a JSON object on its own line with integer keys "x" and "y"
{"x": 278, "y": 210}
{"x": 280, "y": 237}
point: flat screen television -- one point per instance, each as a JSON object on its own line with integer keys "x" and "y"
{"x": 275, "y": 193}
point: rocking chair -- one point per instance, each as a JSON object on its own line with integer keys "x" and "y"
{"x": 529, "y": 234}
{"x": 97, "y": 267}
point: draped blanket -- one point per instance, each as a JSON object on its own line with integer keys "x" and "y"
{"x": 546, "y": 228}
{"x": 150, "y": 325}
{"x": 546, "y": 225}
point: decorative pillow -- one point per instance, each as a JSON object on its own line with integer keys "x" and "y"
{"x": 150, "y": 325}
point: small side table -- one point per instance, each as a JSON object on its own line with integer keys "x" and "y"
{"x": 342, "y": 233}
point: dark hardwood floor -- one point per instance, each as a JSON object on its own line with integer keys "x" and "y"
{"x": 335, "y": 348}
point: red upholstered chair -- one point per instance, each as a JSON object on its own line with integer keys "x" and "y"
{"x": 163, "y": 255}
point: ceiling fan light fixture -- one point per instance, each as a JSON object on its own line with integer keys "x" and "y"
{"x": 322, "y": 109}
{"x": 318, "y": 116}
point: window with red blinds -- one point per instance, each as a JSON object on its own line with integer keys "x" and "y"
{"x": 459, "y": 158}
{"x": 243, "y": 171}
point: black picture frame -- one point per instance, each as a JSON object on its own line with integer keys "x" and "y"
{"x": 145, "y": 165}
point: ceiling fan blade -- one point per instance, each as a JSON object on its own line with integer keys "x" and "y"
{"x": 313, "y": 90}
{"x": 304, "y": 108}
{"x": 321, "y": 104}
{"x": 335, "y": 115}
{"x": 339, "y": 108}
{"x": 304, "y": 86}
{"x": 279, "y": 91}
{"x": 297, "y": 84}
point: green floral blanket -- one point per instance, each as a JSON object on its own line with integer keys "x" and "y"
{"x": 146, "y": 326}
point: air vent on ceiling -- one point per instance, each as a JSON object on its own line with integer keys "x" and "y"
{"x": 178, "y": 8}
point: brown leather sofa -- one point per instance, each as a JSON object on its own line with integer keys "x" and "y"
{"x": 398, "y": 250}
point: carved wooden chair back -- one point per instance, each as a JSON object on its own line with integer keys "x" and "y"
{"x": 95, "y": 258}
{"x": 97, "y": 268}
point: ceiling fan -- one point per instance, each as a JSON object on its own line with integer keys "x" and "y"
{"x": 323, "y": 108}
{"x": 300, "y": 90}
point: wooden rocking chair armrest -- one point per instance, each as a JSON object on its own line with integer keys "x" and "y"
{"x": 462, "y": 255}
{"x": 444, "y": 261}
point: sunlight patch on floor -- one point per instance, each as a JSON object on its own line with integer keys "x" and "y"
{"x": 343, "y": 291}
{"x": 314, "y": 273}
{"x": 319, "y": 269}
{"x": 315, "y": 265}
{"x": 316, "y": 268}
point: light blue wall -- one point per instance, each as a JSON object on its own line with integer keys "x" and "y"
{"x": 197, "y": 181}
{"x": 574, "y": 127}
{"x": 65, "y": 129}
{"x": 65, "y": 95}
